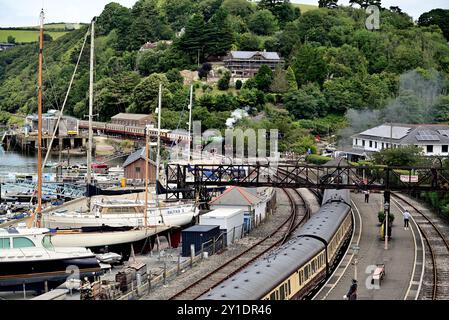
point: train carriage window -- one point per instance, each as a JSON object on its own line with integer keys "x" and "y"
{"x": 289, "y": 288}
{"x": 273, "y": 295}
{"x": 282, "y": 292}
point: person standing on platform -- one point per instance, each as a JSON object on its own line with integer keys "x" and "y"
{"x": 366, "y": 192}
{"x": 407, "y": 217}
{"x": 352, "y": 293}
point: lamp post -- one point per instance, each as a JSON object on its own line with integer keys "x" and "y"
{"x": 355, "y": 249}
{"x": 387, "y": 217}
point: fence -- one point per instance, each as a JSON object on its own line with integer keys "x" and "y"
{"x": 212, "y": 247}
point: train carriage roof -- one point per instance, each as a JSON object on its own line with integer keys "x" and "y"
{"x": 266, "y": 273}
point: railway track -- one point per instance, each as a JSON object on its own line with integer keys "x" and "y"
{"x": 234, "y": 265}
{"x": 436, "y": 279}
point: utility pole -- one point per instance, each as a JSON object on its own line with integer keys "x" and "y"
{"x": 387, "y": 216}
{"x": 190, "y": 119}
{"x": 39, "y": 126}
{"x": 147, "y": 163}
{"x": 158, "y": 158}
{"x": 91, "y": 104}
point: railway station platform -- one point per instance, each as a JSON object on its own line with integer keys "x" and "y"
{"x": 399, "y": 259}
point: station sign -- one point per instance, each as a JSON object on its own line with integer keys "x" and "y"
{"x": 407, "y": 178}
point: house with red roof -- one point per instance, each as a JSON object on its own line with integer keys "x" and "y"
{"x": 256, "y": 203}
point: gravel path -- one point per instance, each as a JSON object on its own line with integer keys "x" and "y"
{"x": 187, "y": 278}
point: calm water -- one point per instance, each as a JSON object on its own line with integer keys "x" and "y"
{"x": 16, "y": 162}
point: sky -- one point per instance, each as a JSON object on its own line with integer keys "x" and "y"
{"x": 16, "y": 13}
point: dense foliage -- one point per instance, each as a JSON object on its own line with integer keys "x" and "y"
{"x": 332, "y": 64}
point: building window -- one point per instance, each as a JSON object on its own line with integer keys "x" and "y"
{"x": 370, "y": 144}
{"x": 356, "y": 141}
{"x": 363, "y": 142}
{"x": 445, "y": 148}
{"x": 429, "y": 149}
{"x": 375, "y": 144}
{"x": 383, "y": 145}
{"x": 137, "y": 169}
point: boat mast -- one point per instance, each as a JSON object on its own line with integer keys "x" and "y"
{"x": 147, "y": 163}
{"x": 159, "y": 112}
{"x": 190, "y": 119}
{"x": 39, "y": 125}
{"x": 91, "y": 104}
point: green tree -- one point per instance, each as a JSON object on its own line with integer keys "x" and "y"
{"x": 404, "y": 156}
{"x": 193, "y": 40}
{"x": 281, "y": 9}
{"x": 249, "y": 42}
{"x": 114, "y": 16}
{"x": 439, "y": 17}
{"x": 280, "y": 84}
{"x": 11, "y": 39}
{"x": 148, "y": 24}
{"x": 178, "y": 12}
{"x": 309, "y": 65}
{"x": 345, "y": 61}
{"x": 238, "y": 84}
{"x": 441, "y": 109}
{"x": 291, "y": 79}
{"x": 263, "y": 22}
{"x": 241, "y": 8}
{"x": 264, "y": 78}
{"x": 218, "y": 33}
{"x": 328, "y": 4}
{"x": 145, "y": 94}
{"x": 203, "y": 72}
{"x": 223, "y": 83}
{"x": 308, "y": 102}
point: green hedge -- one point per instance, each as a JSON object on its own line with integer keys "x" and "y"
{"x": 316, "y": 159}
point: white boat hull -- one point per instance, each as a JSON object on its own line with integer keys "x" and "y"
{"x": 169, "y": 218}
{"x": 100, "y": 239}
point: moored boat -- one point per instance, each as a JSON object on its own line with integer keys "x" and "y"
{"x": 29, "y": 259}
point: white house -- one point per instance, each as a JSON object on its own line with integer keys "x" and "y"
{"x": 433, "y": 139}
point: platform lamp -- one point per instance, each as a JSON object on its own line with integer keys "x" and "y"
{"x": 387, "y": 218}
{"x": 355, "y": 249}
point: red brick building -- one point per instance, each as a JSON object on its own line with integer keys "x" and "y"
{"x": 132, "y": 119}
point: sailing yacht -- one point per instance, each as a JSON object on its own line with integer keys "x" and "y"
{"x": 27, "y": 255}
{"x": 115, "y": 225}
{"x": 116, "y": 213}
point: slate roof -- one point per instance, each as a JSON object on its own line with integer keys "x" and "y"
{"x": 139, "y": 154}
{"x": 245, "y": 55}
{"x": 131, "y": 116}
{"x": 409, "y": 134}
{"x": 236, "y": 196}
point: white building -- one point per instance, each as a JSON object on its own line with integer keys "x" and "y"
{"x": 255, "y": 203}
{"x": 229, "y": 220}
{"x": 433, "y": 139}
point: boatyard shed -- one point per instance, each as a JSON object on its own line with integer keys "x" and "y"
{"x": 230, "y": 221}
{"x": 134, "y": 166}
{"x": 133, "y": 119}
{"x": 198, "y": 236}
